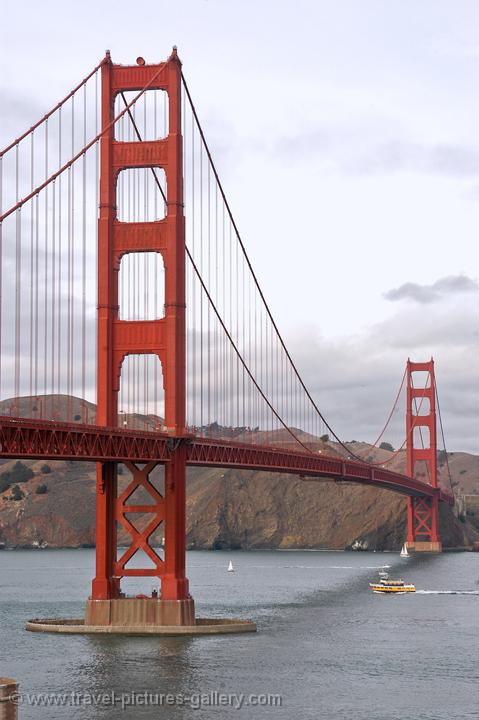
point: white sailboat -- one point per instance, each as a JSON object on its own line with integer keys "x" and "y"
{"x": 404, "y": 552}
{"x": 230, "y": 567}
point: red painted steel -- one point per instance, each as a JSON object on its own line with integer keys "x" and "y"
{"x": 423, "y": 512}
{"x": 105, "y": 585}
{"x": 164, "y": 337}
{"x": 206, "y": 452}
{"x": 22, "y": 438}
{"x": 140, "y": 539}
{"x": 25, "y": 438}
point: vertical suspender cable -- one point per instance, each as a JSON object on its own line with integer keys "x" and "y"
{"x": 18, "y": 280}
{"x": 201, "y": 294}
{"x": 60, "y": 263}
{"x": 36, "y": 284}
{"x": 71, "y": 318}
{"x": 444, "y": 441}
{"x": 45, "y": 275}
{"x": 1, "y": 277}
{"x": 193, "y": 296}
{"x": 146, "y": 260}
{"x": 52, "y": 301}
{"x": 32, "y": 219}
{"x": 208, "y": 310}
{"x": 83, "y": 267}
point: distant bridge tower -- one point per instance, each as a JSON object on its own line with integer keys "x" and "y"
{"x": 421, "y": 451}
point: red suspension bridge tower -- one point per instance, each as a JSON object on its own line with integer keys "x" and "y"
{"x": 164, "y": 337}
{"x": 423, "y": 512}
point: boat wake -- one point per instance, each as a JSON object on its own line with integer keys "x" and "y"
{"x": 328, "y": 567}
{"x": 447, "y": 592}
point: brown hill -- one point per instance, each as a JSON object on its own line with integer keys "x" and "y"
{"x": 230, "y": 508}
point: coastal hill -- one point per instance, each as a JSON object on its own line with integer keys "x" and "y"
{"x": 53, "y": 503}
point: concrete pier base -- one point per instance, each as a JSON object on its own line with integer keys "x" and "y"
{"x": 424, "y": 547}
{"x": 202, "y": 626}
{"x": 140, "y": 611}
{"x": 141, "y": 616}
{"x": 8, "y": 704}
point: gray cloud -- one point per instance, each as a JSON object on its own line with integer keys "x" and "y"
{"x": 356, "y": 150}
{"x": 18, "y": 113}
{"x": 425, "y": 294}
{"x": 399, "y": 156}
{"x": 354, "y": 379}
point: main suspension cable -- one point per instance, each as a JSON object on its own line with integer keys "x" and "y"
{"x": 45, "y": 117}
{"x": 215, "y": 309}
{"x": 399, "y": 449}
{"x": 253, "y": 274}
{"x": 392, "y": 411}
{"x": 82, "y": 152}
{"x": 444, "y": 442}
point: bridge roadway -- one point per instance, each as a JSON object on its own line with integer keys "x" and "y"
{"x": 23, "y": 438}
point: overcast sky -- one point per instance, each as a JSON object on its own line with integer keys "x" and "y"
{"x": 347, "y": 137}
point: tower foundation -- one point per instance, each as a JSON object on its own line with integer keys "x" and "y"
{"x": 140, "y": 612}
{"x": 424, "y": 546}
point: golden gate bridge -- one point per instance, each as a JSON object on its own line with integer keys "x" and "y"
{"x": 126, "y": 287}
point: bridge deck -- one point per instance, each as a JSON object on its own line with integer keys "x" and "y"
{"x": 32, "y": 439}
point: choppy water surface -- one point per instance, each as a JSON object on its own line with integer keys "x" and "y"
{"x": 327, "y": 645}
